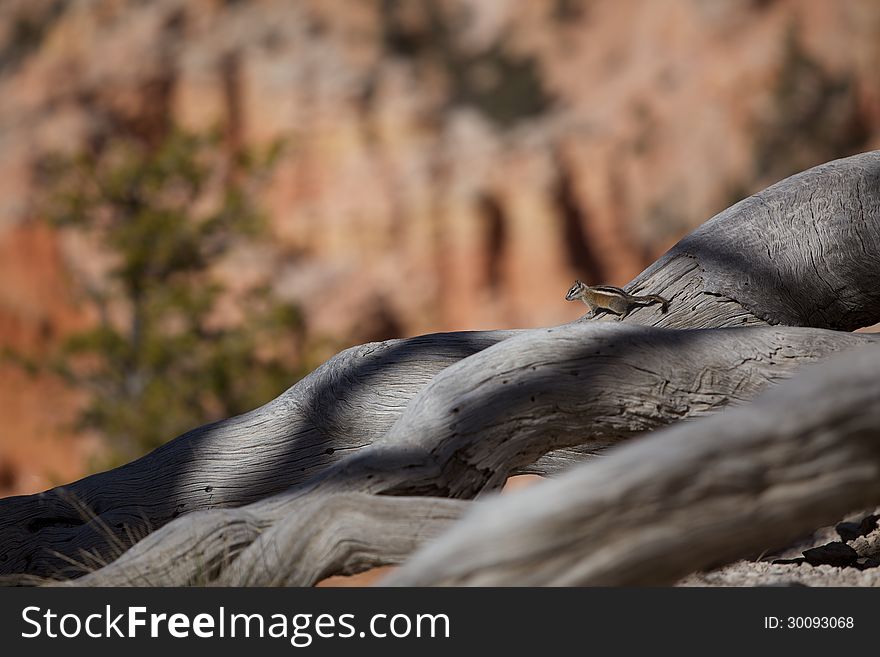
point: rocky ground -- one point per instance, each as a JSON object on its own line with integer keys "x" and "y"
{"x": 847, "y": 554}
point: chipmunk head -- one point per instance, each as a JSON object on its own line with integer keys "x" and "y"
{"x": 575, "y": 291}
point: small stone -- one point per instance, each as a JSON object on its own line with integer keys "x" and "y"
{"x": 831, "y": 554}
{"x": 867, "y": 562}
{"x": 788, "y": 562}
{"x": 850, "y": 531}
{"x": 868, "y": 524}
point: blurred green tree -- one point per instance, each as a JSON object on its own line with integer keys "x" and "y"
{"x": 161, "y": 358}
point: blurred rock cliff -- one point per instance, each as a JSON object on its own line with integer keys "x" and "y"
{"x": 450, "y": 164}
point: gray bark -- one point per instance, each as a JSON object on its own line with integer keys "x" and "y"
{"x": 783, "y": 256}
{"x": 689, "y": 497}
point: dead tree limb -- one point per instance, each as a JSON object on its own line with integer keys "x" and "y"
{"x": 689, "y": 497}
{"x": 501, "y": 409}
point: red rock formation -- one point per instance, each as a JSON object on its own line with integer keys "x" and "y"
{"x": 459, "y": 161}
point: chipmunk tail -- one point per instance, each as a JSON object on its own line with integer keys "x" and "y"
{"x": 664, "y": 304}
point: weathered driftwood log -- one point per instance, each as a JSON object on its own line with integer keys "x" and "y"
{"x": 764, "y": 243}
{"x": 688, "y": 497}
{"x": 336, "y": 534}
{"x": 486, "y": 415}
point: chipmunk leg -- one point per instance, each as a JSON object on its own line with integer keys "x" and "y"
{"x": 618, "y": 315}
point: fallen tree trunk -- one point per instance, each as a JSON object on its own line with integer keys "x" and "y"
{"x": 689, "y": 497}
{"x": 357, "y": 397}
{"x": 501, "y": 409}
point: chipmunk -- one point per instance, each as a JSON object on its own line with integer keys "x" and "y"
{"x": 611, "y": 299}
